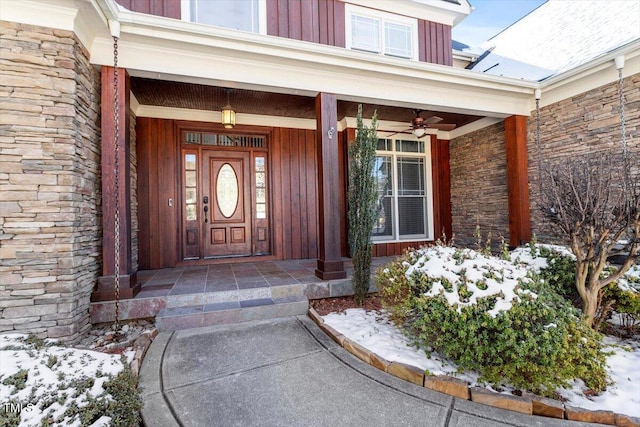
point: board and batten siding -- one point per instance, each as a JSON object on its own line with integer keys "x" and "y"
{"x": 319, "y": 21}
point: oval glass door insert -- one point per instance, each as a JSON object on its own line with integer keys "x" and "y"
{"x": 227, "y": 190}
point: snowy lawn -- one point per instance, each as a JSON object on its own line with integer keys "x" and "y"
{"x": 45, "y": 384}
{"x": 374, "y": 332}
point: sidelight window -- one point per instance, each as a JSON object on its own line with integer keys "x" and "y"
{"x": 403, "y": 182}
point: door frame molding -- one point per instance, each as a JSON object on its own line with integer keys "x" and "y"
{"x": 182, "y": 126}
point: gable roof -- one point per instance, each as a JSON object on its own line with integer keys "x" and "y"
{"x": 558, "y": 36}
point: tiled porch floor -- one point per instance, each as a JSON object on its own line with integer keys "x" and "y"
{"x": 200, "y": 286}
{"x": 228, "y": 277}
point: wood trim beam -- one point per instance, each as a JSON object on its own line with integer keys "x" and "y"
{"x": 515, "y": 129}
{"x": 330, "y": 264}
{"x": 106, "y": 284}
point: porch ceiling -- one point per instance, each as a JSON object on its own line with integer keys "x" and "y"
{"x": 164, "y": 93}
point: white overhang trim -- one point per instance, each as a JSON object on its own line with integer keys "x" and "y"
{"x": 430, "y": 10}
{"x": 409, "y": 8}
{"x": 31, "y": 13}
{"x": 85, "y": 19}
{"x": 591, "y": 75}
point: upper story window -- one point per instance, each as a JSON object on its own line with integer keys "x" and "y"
{"x": 381, "y": 32}
{"x": 245, "y": 15}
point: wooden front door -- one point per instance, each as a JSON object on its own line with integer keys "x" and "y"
{"x": 225, "y": 195}
{"x": 226, "y": 203}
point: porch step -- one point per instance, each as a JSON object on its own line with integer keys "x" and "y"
{"x": 195, "y": 316}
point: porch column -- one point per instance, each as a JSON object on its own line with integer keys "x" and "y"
{"x": 330, "y": 265}
{"x": 515, "y": 129}
{"x": 441, "y": 168}
{"x": 105, "y": 289}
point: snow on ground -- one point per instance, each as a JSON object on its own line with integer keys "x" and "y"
{"x": 55, "y": 378}
{"x": 374, "y": 332}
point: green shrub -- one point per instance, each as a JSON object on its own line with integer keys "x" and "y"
{"x": 120, "y": 400}
{"x": 624, "y": 298}
{"x": 560, "y": 273}
{"x": 538, "y": 344}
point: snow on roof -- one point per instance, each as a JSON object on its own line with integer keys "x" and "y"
{"x": 560, "y": 35}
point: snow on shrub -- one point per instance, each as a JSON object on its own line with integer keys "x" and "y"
{"x": 492, "y": 316}
{"x": 42, "y": 383}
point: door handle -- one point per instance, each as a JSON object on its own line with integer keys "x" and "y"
{"x": 206, "y": 209}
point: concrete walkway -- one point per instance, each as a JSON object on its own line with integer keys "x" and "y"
{"x": 287, "y": 372}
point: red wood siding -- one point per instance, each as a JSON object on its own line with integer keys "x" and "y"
{"x": 319, "y": 21}
{"x": 294, "y": 193}
{"x": 434, "y": 43}
{"x": 166, "y": 8}
{"x": 158, "y": 171}
{"x": 397, "y": 248}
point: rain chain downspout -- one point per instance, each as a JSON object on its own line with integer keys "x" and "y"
{"x": 538, "y": 95}
{"x": 114, "y": 27}
{"x": 619, "y": 61}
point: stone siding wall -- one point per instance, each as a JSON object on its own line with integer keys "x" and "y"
{"x": 479, "y": 185}
{"x": 50, "y": 213}
{"x": 585, "y": 123}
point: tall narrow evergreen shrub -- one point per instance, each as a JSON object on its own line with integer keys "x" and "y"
{"x": 362, "y": 196}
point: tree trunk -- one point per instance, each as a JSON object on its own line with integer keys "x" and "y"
{"x": 590, "y": 301}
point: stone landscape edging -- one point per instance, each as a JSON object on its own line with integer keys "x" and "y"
{"x": 527, "y": 404}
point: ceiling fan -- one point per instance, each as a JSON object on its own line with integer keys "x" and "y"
{"x": 419, "y": 125}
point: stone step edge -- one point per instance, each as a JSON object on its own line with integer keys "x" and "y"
{"x": 292, "y": 299}
{"x": 529, "y": 404}
{"x": 257, "y": 310}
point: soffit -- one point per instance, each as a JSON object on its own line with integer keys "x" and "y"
{"x": 163, "y": 93}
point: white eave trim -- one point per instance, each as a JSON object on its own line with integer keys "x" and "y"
{"x": 593, "y": 74}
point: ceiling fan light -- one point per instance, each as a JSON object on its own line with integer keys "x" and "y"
{"x": 419, "y": 132}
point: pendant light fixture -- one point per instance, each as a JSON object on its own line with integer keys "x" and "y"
{"x": 228, "y": 115}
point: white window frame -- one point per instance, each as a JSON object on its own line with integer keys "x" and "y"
{"x": 428, "y": 185}
{"x": 382, "y": 17}
{"x": 185, "y": 14}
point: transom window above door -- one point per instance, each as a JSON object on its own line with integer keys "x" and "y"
{"x": 381, "y": 32}
{"x": 206, "y": 138}
{"x": 243, "y": 15}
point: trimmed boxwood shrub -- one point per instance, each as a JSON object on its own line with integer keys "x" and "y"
{"x": 538, "y": 343}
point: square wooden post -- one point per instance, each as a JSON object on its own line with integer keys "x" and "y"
{"x": 105, "y": 290}
{"x": 330, "y": 264}
{"x": 515, "y": 129}
{"x": 441, "y": 176}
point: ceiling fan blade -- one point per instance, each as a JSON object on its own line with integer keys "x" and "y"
{"x": 433, "y": 120}
{"x": 397, "y": 132}
{"x": 443, "y": 126}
